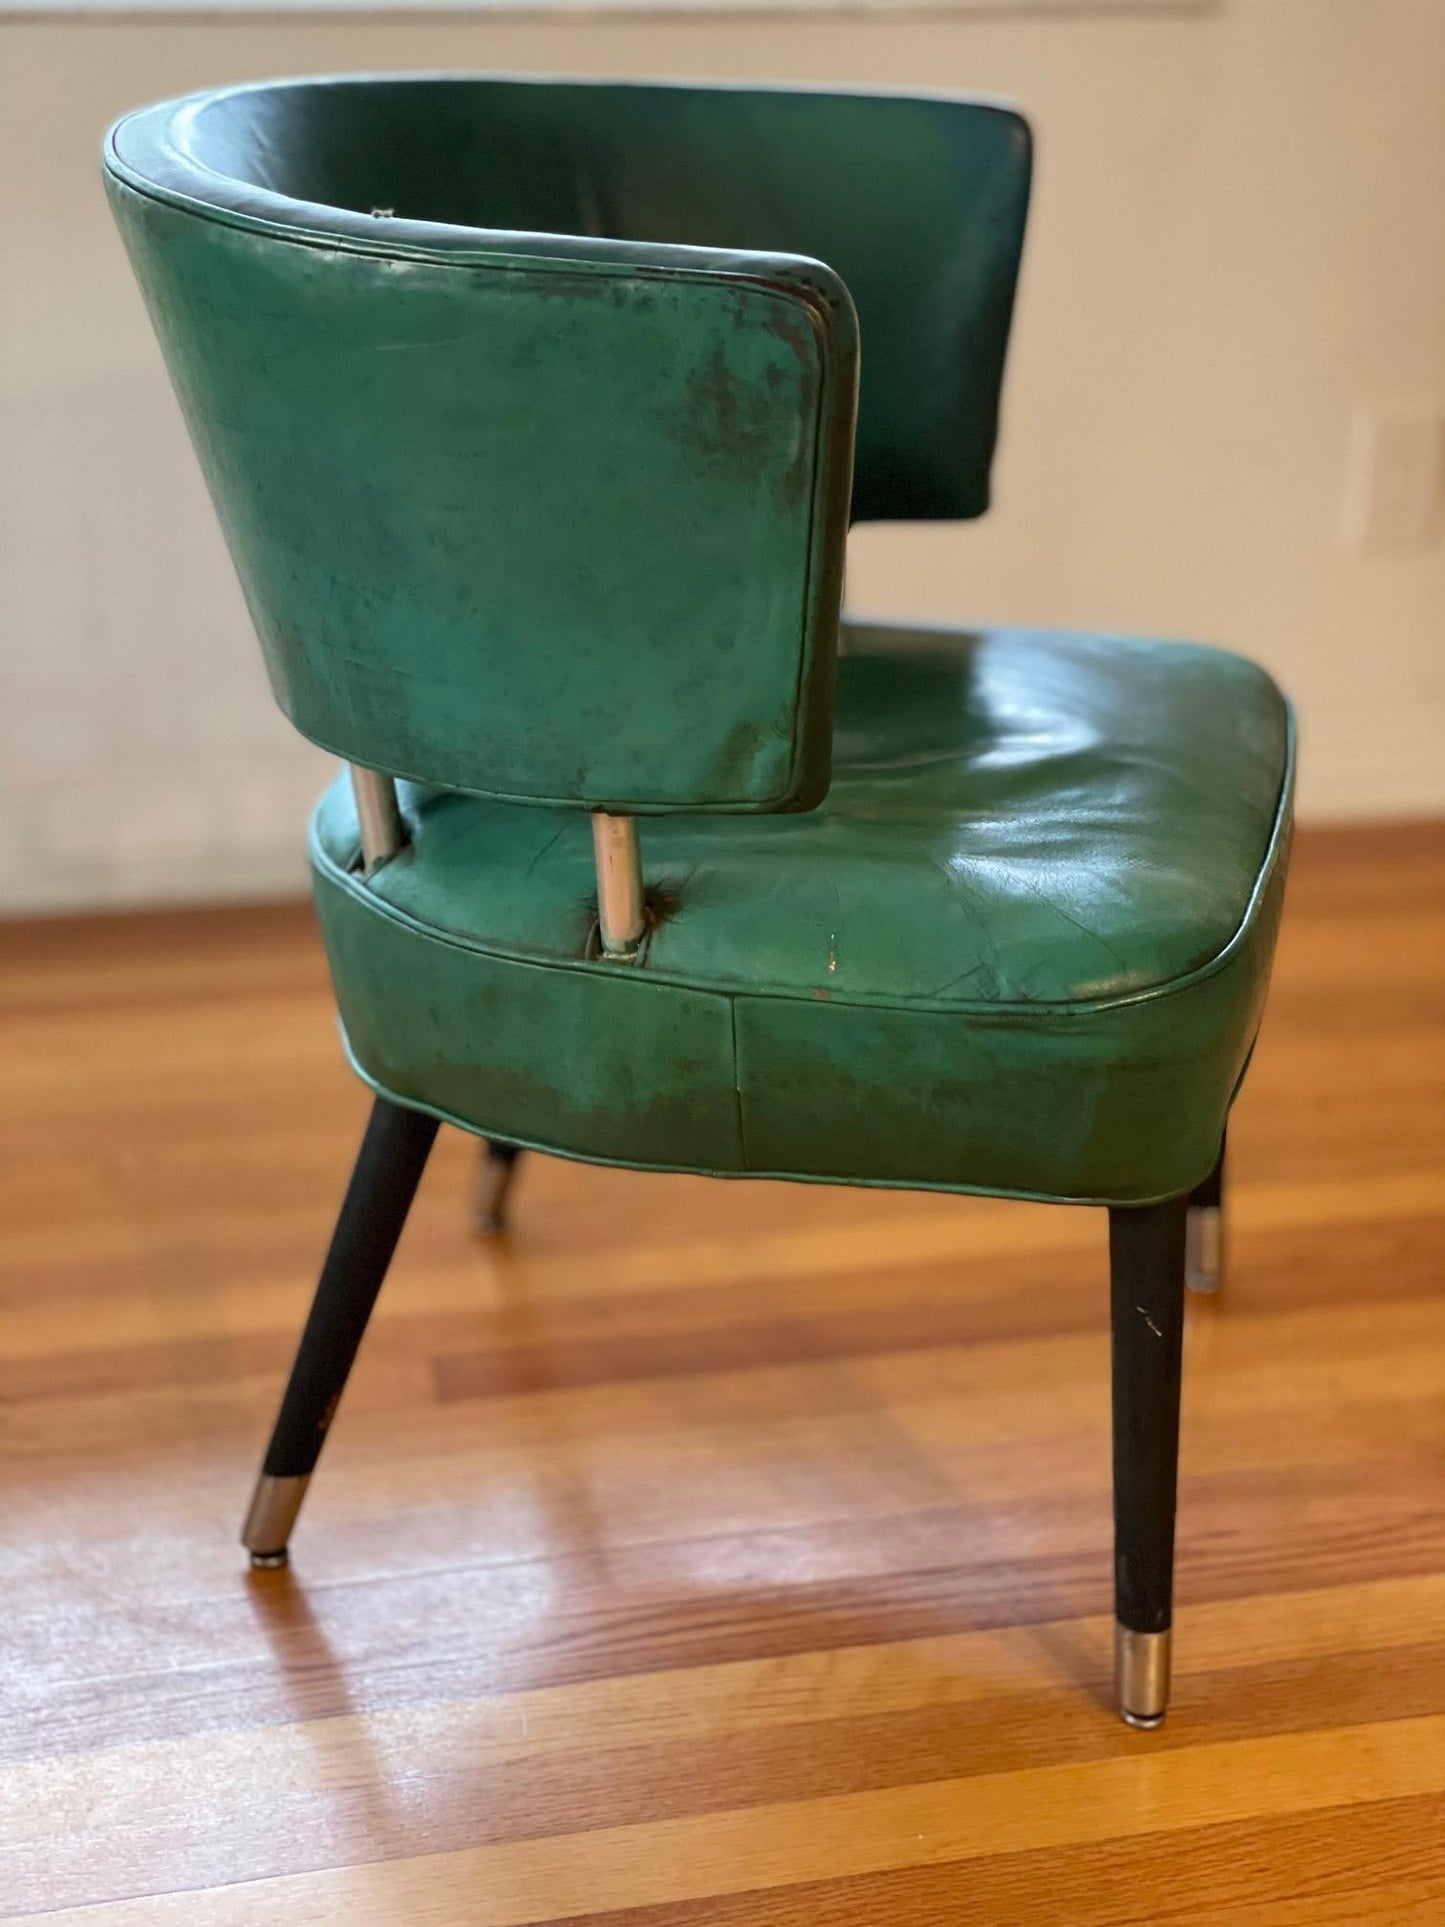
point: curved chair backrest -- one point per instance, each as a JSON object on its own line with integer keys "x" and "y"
{"x": 528, "y": 407}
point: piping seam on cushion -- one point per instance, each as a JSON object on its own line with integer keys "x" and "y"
{"x": 1057, "y": 1011}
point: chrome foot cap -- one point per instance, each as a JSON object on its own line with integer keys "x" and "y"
{"x": 1203, "y": 1247}
{"x": 270, "y": 1561}
{"x": 274, "y": 1506}
{"x": 1141, "y": 1670}
{"x": 1141, "y": 1722}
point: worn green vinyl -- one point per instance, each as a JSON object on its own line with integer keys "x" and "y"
{"x": 916, "y": 202}
{"x": 549, "y": 531}
{"x": 528, "y": 409}
{"x": 1022, "y": 947}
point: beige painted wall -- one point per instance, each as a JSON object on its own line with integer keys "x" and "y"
{"x": 1237, "y": 241}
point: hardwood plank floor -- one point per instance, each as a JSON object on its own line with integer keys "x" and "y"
{"x": 705, "y": 1555}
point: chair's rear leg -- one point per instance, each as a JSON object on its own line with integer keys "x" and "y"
{"x": 495, "y": 1175}
{"x": 388, "y": 1169}
{"x": 1146, "y": 1254}
{"x": 1204, "y": 1244}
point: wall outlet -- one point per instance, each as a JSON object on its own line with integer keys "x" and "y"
{"x": 1395, "y": 478}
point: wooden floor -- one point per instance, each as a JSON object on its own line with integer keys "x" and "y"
{"x": 705, "y": 1556}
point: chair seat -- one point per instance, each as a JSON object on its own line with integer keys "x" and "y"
{"x": 1022, "y": 948}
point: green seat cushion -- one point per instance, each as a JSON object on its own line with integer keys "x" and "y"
{"x": 1022, "y": 947}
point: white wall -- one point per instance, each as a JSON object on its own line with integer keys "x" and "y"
{"x": 1237, "y": 240}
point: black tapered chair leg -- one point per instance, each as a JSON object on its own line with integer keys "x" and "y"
{"x": 1204, "y": 1237}
{"x": 495, "y": 1176}
{"x": 388, "y": 1169}
{"x": 1146, "y": 1257}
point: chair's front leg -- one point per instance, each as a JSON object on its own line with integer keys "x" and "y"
{"x": 388, "y": 1169}
{"x": 1204, "y": 1237}
{"x": 1146, "y": 1255}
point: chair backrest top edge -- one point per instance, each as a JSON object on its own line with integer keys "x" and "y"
{"x": 153, "y": 150}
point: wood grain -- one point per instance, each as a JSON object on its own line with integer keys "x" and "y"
{"x": 705, "y": 1555}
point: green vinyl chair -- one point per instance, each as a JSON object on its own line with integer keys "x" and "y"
{"x": 534, "y": 416}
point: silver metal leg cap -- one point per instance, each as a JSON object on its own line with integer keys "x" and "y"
{"x": 274, "y": 1506}
{"x": 1141, "y": 1673}
{"x": 1203, "y": 1248}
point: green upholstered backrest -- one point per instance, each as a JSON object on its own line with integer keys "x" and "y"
{"x": 528, "y": 407}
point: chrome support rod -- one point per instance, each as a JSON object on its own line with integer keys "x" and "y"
{"x": 383, "y": 834}
{"x": 621, "y": 907}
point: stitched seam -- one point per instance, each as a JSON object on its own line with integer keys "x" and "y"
{"x": 737, "y": 1084}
